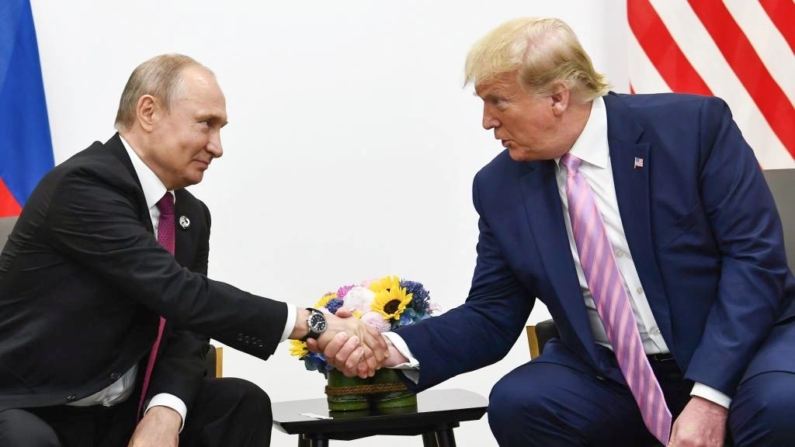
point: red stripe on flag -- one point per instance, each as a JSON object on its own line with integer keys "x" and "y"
{"x": 8, "y": 204}
{"x": 749, "y": 68}
{"x": 661, "y": 48}
{"x": 782, "y": 14}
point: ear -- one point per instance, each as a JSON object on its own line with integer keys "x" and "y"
{"x": 148, "y": 111}
{"x": 559, "y": 98}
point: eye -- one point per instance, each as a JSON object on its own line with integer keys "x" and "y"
{"x": 500, "y": 103}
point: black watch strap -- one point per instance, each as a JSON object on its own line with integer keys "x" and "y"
{"x": 316, "y": 324}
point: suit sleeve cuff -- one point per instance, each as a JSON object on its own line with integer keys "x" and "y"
{"x": 711, "y": 394}
{"x": 170, "y": 401}
{"x": 411, "y": 368}
{"x": 289, "y": 325}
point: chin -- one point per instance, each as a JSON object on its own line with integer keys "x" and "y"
{"x": 518, "y": 156}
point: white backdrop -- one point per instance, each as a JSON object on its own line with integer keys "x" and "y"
{"x": 351, "y": 145}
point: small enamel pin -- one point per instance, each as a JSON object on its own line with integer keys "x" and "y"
{"x": 638, "y": 163}
{"x": 184, "y": 222}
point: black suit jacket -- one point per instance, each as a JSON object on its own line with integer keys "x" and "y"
{"x": 83, "y": 281}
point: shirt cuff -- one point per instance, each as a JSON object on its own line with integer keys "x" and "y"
{"x": 170, "y": 401}
{"x": 411, "y": 368}
{"x": 711, "y": 394}
{"x": 289, "y": 325}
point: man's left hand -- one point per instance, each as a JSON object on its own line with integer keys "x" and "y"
{"x": 701, "y": 424}
{"x": 158, "y": 428}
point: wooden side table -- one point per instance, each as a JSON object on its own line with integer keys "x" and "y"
{"x": 437, "y": 413}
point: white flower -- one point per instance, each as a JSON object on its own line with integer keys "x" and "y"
{"x": 377, "y": 321}
{"x": 435, "y": 310}
{"x": 359, "y": 298}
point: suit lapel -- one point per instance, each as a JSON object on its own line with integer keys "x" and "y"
{"x": 184, "y": 234}
{"x": 634, "y": 203}
{"x": 545, "y": 216}
{"x": 115, "y": 146}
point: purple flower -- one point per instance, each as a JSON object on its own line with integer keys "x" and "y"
{"x": 343, "y": 291}
{"x": 334, "y": 305}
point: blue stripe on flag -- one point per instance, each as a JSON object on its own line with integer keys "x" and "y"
{"x": 25, "y": 141}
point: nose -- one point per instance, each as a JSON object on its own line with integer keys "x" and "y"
{"x": 214, "y": 146}
{"x": 489, "y": 122}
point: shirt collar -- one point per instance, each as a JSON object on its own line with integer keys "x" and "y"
{"x": 590, "y": 146}
{"x": 151, "y": 185}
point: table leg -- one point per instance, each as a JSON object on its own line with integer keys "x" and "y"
{"x": 445, "y": 438}
{"x": 308, "y": 441}
{"x": 429, "y": 440}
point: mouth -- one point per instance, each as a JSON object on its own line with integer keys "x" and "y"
{"x": 203, "y": 164}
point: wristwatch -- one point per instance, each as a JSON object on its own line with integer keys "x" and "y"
{"x": 316, "y": 322}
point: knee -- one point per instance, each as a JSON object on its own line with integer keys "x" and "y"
{"x": 515, "y": 408}
{"x": 762, "y": 410}
{"x": 19, "y": 428}
{"x": 252, "y": 399}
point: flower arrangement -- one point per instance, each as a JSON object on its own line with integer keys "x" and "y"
{"x": 386, "y": 304}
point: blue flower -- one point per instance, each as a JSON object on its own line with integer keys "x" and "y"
{"x": 334, "y": 305}
{"x": 316, "y": 362}
{"x": 419, "y": 300}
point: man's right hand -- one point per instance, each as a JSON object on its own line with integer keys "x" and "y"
{"x": 368, "y": 344}
{"x": 345, "y": 354}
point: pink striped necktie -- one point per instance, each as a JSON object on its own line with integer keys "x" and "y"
{"x": 612, "y": 303}
{"x": 166, "y": 237}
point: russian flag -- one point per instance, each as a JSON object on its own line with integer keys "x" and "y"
{"x": 25, "y": 142}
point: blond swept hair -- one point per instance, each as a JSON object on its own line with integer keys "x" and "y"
{"x": 542, "y": 51}
{"x": 161, "y": 77}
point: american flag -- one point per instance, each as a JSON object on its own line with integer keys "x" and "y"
{"x": 740, "y": 50}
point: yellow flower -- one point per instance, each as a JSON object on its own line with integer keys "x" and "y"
{"x": 298, "y": 348}
{"x": 383, "y": 284}
{"x": 392, "y": 300}
{"x": 326, "y": 298}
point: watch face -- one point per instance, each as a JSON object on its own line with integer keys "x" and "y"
{"x": 317, "y": 322}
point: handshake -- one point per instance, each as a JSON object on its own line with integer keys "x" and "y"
{"x": 348, "y": 343}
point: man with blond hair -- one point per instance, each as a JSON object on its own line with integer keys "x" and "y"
{"x": 105, "y": 306}
{"x": 644, "y": 224}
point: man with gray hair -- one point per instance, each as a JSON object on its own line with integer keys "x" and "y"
{"x": 644, "y": 224}
{"x": 105, "y": 306}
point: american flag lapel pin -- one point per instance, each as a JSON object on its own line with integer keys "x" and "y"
{"x": 638, "y": 163}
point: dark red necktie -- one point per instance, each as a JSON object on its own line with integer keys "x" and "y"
{"x": 165, "y": 235}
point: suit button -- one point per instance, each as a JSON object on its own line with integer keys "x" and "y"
{"x": 115, "y": 376}
{"x": 239, "y": 337}
{"x": 71, "y": 398}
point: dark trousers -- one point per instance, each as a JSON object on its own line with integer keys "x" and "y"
{"x": 548, "y": 404}
{"x": 227, "y": 412}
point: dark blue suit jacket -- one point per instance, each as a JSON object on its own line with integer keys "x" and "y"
{"x": 702, "y": 227}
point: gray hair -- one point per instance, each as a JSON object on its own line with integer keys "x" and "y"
{"x": 161, "y": 77}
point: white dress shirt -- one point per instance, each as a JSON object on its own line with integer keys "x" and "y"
{"x": 120, "y": 390}
{"x": 592, "y": 148}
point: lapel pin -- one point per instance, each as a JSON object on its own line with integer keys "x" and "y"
{"x": 184, "y": 222}
{"x": 638, "y": 163}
